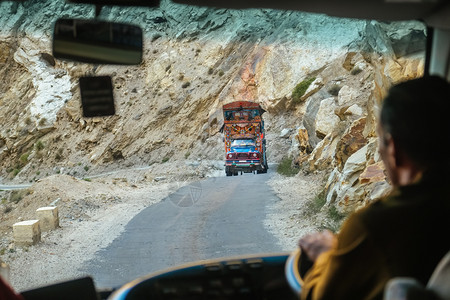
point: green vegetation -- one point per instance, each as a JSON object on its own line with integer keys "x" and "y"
{"x": 42, "y": 121}
{"x": 87, "y": 179}
{"x": 210, "y": 71}
{"x": 24, "y": 158}
{"x": 86, "y": 168}
{"x": 334, "y": 214}
{"x": 17, "y": 195}
{"x": 220, "y": 73}
{"x": 301, "y": 88}
{"x": 165, "y": 159}
{"x": 315, "y": 205}
{"x": 187, "y": 154}
{"x": 7, "y": 209}
{"x": 186, "y": 84}
{"x": 15, "y": 172}
{"x": 286, "y": 168}
{"x": 39, "y": 145}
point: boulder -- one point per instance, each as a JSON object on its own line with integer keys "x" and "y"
{"x": 27, "y": 233}
{"x": 322, "y": 156}
{"x": 352, "y": 140}
{"x": 347, "y": 95}
{"x": 407, "y": 39}
{"x": 303, "y": 140}
{"x": 326, "y": 119}
{"x": 285, "y": 133}
{"x": 342, "y": 187}
{"x": 315, "y": 86}
{"x": 404, "y": 68}
{"x": 48, "y": 218}
{"x": 373, "y": 173}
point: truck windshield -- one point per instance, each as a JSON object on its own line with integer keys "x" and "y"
{"x": 242, "y": 143}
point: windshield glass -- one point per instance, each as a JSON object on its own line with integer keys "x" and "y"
{"x": 242, "y": 143}
{"x": 147, "y": 188}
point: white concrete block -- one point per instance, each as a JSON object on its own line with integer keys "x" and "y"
{"x": 27, "y": 233}
{"x": 48, "y": 217}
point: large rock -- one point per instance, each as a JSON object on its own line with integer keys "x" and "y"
{"x": 326, "y": 119}
{"x": 48, "y": 218}
{"x": 347, "y": 95}
{"x": 352, "y": 140}
{"x": 27, "y": 233}
{"x": 313, "y": 88}
{"x": 322, "y": 156}
{"x": 342, "y": 186}
{"x": 407, "y": 39}
{"x": 405, "y": 68}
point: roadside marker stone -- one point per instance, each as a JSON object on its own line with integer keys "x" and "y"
{"x": 48, "y": 217}
{"x": 27, "y": 233}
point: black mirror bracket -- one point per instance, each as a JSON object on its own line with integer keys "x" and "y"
{"x": 98, "y": 10}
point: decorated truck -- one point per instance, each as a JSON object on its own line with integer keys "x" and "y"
{"x": 245, "y": 144}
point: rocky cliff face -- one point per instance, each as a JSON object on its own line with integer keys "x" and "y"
{"x": 197, "y": 59}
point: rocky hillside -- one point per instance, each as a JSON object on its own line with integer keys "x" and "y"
{"x": 196, "y": 59}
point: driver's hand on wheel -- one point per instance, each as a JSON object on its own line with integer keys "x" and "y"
{"x": 317, "y": 243}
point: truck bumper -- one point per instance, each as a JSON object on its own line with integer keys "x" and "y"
{"x": 246, "y": 167}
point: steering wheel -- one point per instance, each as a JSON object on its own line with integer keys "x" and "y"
{"x": 292, "y": 271}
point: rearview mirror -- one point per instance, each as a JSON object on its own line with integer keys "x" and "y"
{"x": 99, "y": 42}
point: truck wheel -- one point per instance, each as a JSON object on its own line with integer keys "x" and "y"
{"x": 227, "y": 171}
{"x": 235, "y": 174}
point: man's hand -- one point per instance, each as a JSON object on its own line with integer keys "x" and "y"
{"x": 317, "y": 243}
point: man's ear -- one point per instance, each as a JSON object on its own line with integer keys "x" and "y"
{"x": 393, "y": 155}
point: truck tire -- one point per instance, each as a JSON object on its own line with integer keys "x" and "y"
{"x": 266, "y": 166}
{"x": 227, "y": 171}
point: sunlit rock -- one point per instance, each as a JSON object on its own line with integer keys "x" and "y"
{"x": 326, "y": 119}
{"x": 351, "y": 141}
{"x": 347, "y": 95}
{"x": 316, "y": 85}
{"x": 342, "y": 189}
{"x": 322, "y": 156}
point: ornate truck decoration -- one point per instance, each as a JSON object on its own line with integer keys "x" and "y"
{"x": 245, "y": 144}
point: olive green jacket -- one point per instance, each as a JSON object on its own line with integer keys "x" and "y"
{"x": 405, "y": 234}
